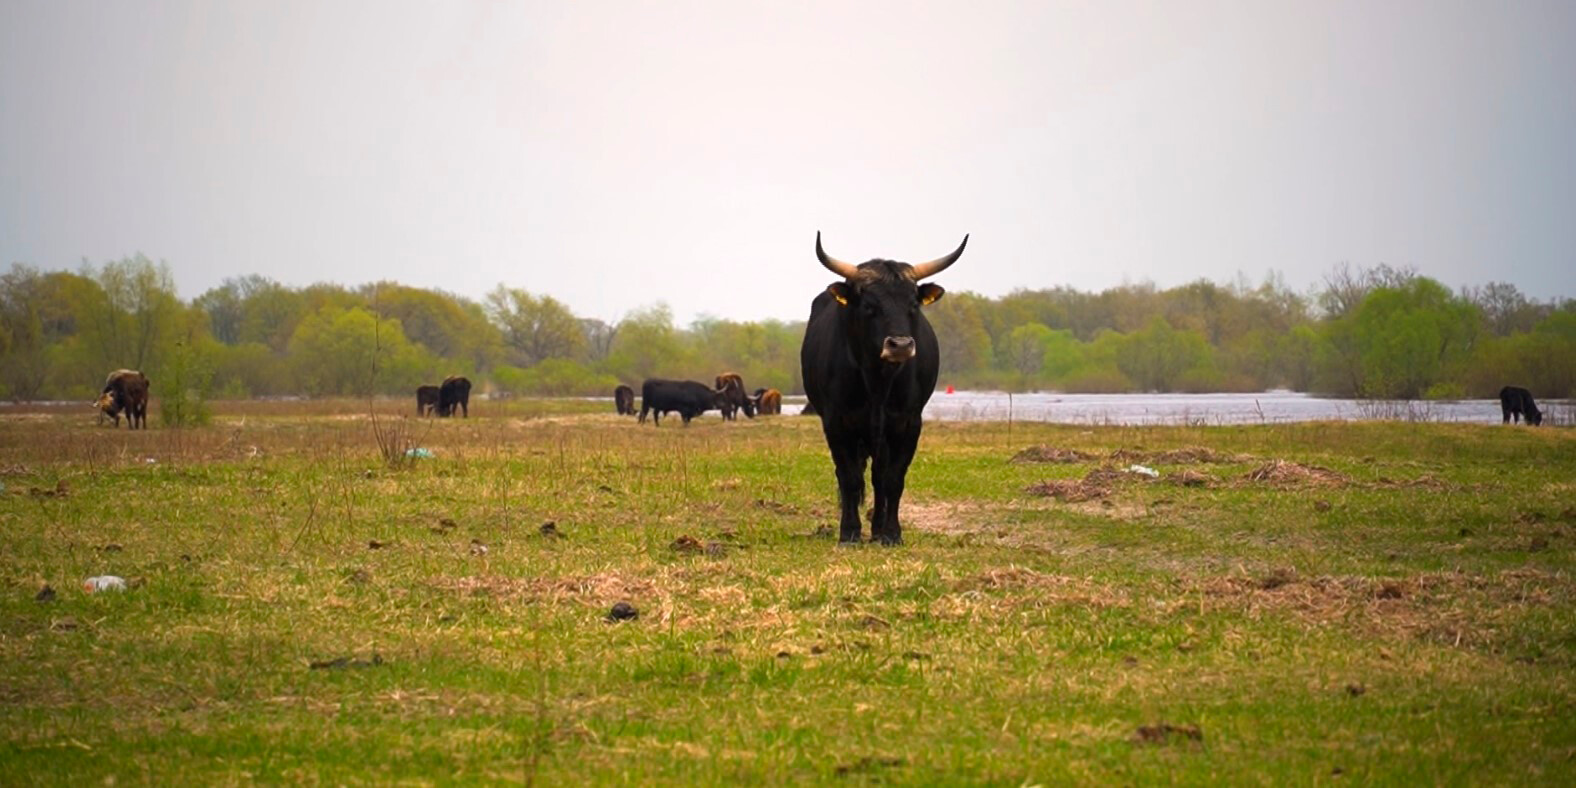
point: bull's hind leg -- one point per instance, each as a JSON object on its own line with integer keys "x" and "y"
{"x": 850, "y": 460}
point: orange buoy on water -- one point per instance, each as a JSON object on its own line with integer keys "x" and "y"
{"x": 949, "y": 390}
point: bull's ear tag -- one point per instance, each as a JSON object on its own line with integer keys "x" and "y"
{"x": 839, "y": 291}
{"x": 930, "y": 294}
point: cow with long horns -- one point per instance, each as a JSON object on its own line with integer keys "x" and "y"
{"x": 737, "y": 400}
{"x": 869, "y": 362}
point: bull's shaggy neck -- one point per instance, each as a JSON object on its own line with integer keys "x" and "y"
{"x": 882, "y": 271}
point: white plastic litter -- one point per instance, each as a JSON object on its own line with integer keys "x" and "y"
{"x": 1145, "y": 470}
{"x": 99, "y": 583}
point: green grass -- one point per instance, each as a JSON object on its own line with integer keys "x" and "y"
{"x": 1412, "y": 620}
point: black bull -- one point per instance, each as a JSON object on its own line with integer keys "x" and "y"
{"x": 869, "y": 362}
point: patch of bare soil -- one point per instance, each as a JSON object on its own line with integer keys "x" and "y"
{"x": 1115, "y": 510}
{"x": 1051, "y": 454}
{"x": 1284, "y": 473}
{"x": 1188, "y": 455}
{"x": 938, "y": 518}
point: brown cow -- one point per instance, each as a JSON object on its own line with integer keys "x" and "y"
{"x": 125, "y": 391}
{"x": 426, "y": 400}
{"x": 768, "y": 402}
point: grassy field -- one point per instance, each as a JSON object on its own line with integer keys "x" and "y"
{"x": 1297, "y": 604}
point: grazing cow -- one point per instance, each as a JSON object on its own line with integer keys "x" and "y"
{"x": 454, "y": 391}
{"x": 870, "y": 361}
{"x": 427, "y": 399}
{"x": 733, "y": 383}
{"x": 125, "y": 391}
{"x": 689, "y": 398}
{"x": 624, "y": 400}
{"x": 1515, "y": 401}
{"x": 768, "y": 402}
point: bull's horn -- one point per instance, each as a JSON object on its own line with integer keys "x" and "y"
{"x": 939, "y": 264}
{"x": 836, "y": 266}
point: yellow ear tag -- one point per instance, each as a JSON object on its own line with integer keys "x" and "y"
{"x": 837, "y": 295}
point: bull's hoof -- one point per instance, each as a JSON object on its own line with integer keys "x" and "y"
{"x": 889, "y": 541}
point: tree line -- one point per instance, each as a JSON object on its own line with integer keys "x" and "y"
{"x": 1380, "y": 332}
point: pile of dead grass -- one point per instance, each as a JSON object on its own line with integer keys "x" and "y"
{"x": 599, "y": 588}
{"x": 1452, "y": 608}
{"x": 1285, "y": 473}
{"x": 1187, "y": 455}
{"x": 1051, "y": 454}
{"x": 1097, "y": 483}
{"x": 1188, "y": 477}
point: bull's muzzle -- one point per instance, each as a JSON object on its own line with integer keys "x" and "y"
{"x": 896, "y": 350}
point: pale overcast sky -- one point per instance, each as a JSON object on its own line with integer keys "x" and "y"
{"x": 614, "y": 154}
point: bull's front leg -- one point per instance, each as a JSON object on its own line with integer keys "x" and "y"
{"x": 850, "y": 463}
{"x": 889, "y": 480}
{"x": 881, "y": 513}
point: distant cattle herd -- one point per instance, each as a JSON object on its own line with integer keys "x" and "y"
{"x": 691, "y": 398}
{"x": 869, "y": 362}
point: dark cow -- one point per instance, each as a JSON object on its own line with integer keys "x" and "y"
{"x": 1515, "y": 401}
{"x": 455, "y": 390}
{"x": 624, "y": 400}
{"x": 870, "y": 362}
{"x": 768, "y": 402}
{"x": 737, "y": 400}
{"x": 689, "y": 398}
{"x": 427, "y": 399}
{"x": 125, "y": 391}
{"x": 808, "y": 410}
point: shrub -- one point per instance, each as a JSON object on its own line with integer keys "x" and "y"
{"x": 184, "y": 389}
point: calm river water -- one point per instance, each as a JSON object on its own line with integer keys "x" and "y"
{"x": 1201, "y": 409}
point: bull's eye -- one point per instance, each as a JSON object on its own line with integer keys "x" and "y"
{"x": 870, "y": 309}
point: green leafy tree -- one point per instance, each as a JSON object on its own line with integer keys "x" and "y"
{"x": 964, "y": 343}
{"x": 270, "y": 313}
{"x": 1398, "y": 342}
{"x": 24, "y": 346}
{"x": 648, "y": 346}
{"x": 446, "y": 325}
{"x": 1296, "y": 352}
{"x": 1023, "y": 349}
{"x": 351, "y": 352}
{"x": 535, "y": 328}
{"x": 133, "y": 315}
{"x": 1158, "y": 357}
